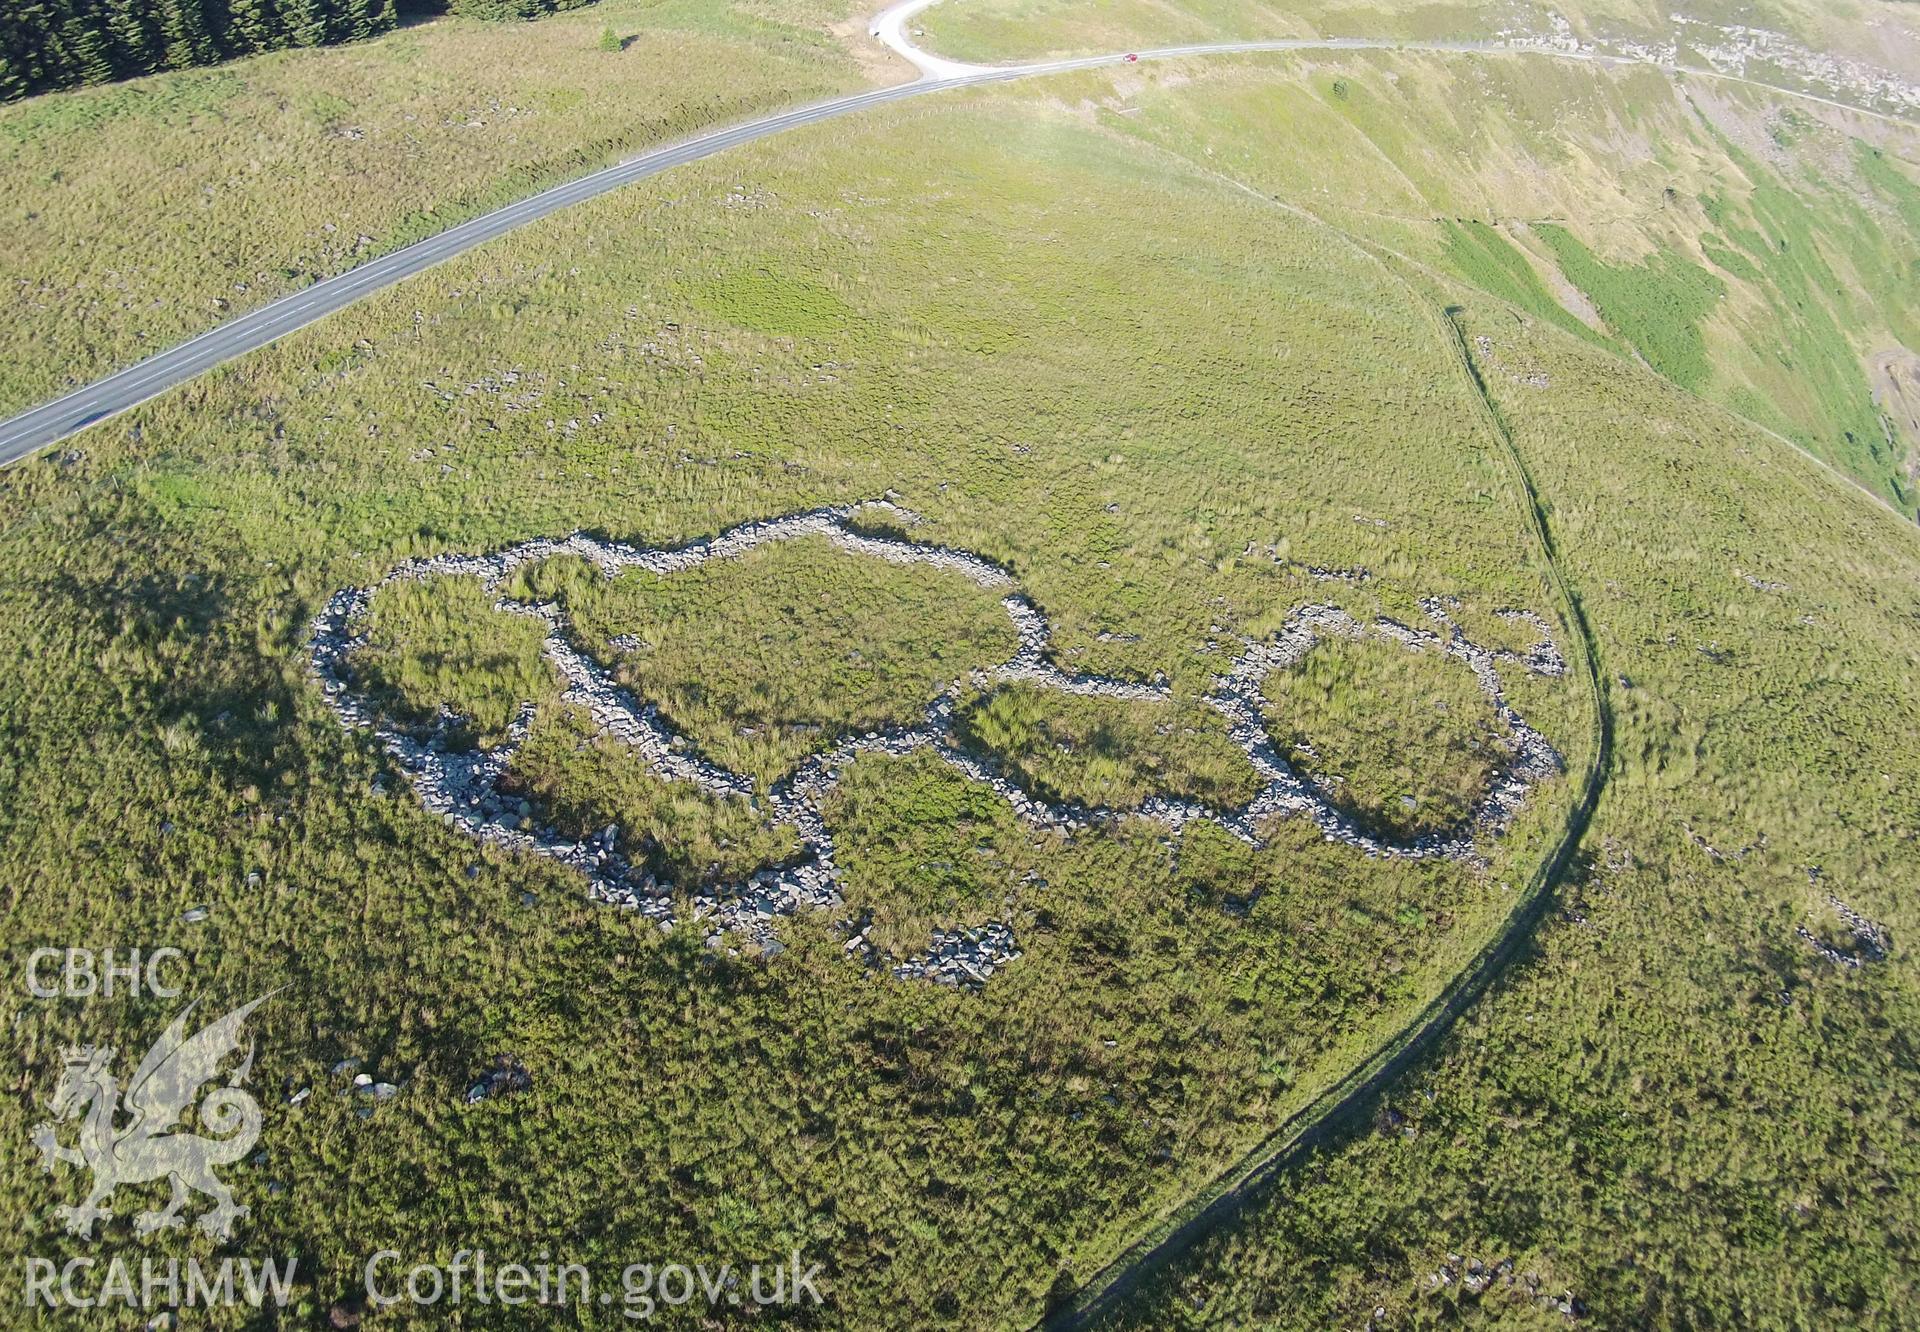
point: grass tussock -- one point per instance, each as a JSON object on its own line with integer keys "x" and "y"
{"x": 1107, "y": 752}
{"x": 1405, "y": 742}
{"x": 440, "y": 643}
{"x": 763, "y": 660}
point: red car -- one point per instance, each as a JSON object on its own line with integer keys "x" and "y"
{"x": 1132, "y": 58}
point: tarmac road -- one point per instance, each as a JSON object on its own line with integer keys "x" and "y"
{"x": 51, "y": 422}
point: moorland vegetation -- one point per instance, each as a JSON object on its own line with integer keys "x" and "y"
{"x": 1163, "y": 1015}
{"x": 146, "y": 212}
{"x": 1034, "y": 314}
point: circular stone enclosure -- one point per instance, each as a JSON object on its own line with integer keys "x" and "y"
{"x": 550, "y": 582}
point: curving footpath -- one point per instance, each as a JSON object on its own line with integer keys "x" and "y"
{"x": 1341, "y": 1106}
{"x": 65, "y": 416}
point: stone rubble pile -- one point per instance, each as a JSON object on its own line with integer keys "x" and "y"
{"x": 1325, "y": 574}
{"x": 462, "y": 785}
{"x": 962, "y": 957}
{"x": 1869, "y": 937}
{"x": 1765, "y": 55}
{"x": 1735, "y": 50}
{"x": 1475, "y": 1278}
{"x": 1715, "y": 853}
{"x": 1030, "y": 665}
{"x": 507, "y": 1075}
{"x": 1472, "y": 1275}
{"x": 1237, "y": 696}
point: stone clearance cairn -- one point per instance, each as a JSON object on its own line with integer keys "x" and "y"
{"x": 461, "y": 785}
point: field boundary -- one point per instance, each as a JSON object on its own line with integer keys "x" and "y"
{"x": 1341, "y": 1105}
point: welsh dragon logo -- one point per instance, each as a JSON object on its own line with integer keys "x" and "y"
{"x": 155, "y": 1145}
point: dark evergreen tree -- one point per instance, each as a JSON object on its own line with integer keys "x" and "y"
{"x": 13, "y": 74}
{"x": 136, "y": 45}
{"x": 306, "y": 22}
{"x": 255, "y": 25}
{"x": 501, "y": 9}
{"x": 31, "y": 43}
{"x": 183, "y": 29}
{"x": 355, "y": 19}
{"x": 51, "y": 44}
{"x": 87, "y": 52}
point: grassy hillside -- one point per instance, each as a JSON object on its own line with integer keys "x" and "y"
{"x": 1172, "y": 348}
{"x": 1757, "y": 251}
{"x": 1675, "y": 1110}
{"x": 1876, "y": 32}
{"x": 142, "y": 213}
{"x": 1056, "y": 407}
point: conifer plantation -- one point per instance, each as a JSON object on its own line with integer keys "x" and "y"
{"x": 52, "y": 44}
